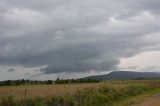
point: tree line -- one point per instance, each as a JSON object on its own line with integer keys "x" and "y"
{"x": 36, "y": 82}
{"x": 64, "y": 81}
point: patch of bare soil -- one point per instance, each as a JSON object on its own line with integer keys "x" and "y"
{"x": 152, "y": 101}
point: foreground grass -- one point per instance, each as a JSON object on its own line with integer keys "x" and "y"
{"x": 106, "y": 95}
{"x": 131, "y": 101}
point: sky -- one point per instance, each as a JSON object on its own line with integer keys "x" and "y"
{"x": 46, "y": 39}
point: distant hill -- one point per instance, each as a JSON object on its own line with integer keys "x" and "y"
{"x": 126, "y": 75}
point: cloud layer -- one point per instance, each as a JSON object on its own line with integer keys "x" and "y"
{"x": 76, "y": 36}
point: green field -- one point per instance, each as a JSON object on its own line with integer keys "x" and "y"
{"x": 109, "y": 93}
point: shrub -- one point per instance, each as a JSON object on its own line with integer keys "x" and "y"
{"x": 9, "y": 101}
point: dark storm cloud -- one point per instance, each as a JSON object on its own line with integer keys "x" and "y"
{"x": 76, "y": 36}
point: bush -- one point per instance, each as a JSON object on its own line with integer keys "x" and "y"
{"x": 9, "y": 101}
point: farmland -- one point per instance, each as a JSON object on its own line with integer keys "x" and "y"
{"x": 109, "y": 93}
{"x": 32, "y": 91}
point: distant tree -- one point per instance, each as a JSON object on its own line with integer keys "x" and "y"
{"x": 49, "y": 82}
{"x": 8, "y": 82}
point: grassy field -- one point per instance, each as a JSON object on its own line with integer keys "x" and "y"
{"x": 109, "y": 93}
{"x": 33, "y": 91}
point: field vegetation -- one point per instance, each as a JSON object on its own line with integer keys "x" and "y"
{"x": 109, "y": 93}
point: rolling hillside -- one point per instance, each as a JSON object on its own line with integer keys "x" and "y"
{"x": 126, "y": 75}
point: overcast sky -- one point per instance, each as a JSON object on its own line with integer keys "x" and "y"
{"x": 46, "y": 39}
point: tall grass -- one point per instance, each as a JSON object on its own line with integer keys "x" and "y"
{"x": 103, "y": 96}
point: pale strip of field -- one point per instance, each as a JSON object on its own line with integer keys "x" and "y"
{"x": 29, "y": 91}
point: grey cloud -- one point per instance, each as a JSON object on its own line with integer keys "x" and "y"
{"x": 151, "y": 68}
{"x": 11, "y": 70}
{"x": 75, "y": 36}
{"x": 27, "y": 74}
